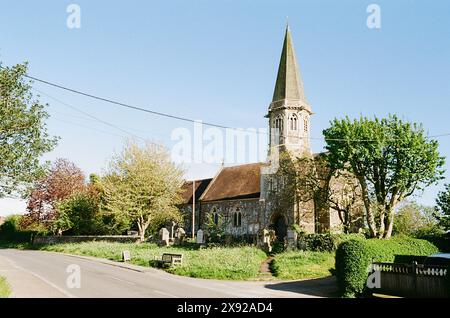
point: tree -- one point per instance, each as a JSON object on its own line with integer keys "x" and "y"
{"x": 415, "y": 220}
{"x": 78, "y": 213}
{"x": 306, "y": 179}
{"x": 216, "y": 228}
{"x": 62, "y": 180}
{"x": 391, "y": 159}
{"x": 294, "y": 185}
{"x": 443, "y": 208}
{"x": 23, "y": 132}
{"x": 143, "y": 185}
{"x": 344, "y": 196}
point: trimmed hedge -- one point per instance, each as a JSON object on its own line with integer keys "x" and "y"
{"x": 324, "y": 242}
{"x": 354, "y": 257}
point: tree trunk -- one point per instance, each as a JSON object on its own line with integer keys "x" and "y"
{"x": 396, "y": 197}
{"x": 369, "y": 213}
{"x": 389, "y": 224}
{"x": 141, "y": 230}
{"x": 142, "y": 227}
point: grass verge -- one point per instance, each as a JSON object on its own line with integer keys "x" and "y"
{"x": 5, "y": 290}
{"x": 230, "y": 263}
{"x": 225, "y": 263}
{"x": 302, "y": 265}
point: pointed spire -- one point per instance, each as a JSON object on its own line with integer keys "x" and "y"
{"x": 289, "y": 83}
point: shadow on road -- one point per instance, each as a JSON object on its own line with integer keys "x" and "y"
{"x": 322, "y": 287}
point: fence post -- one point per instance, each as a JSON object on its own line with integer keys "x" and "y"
{"x": 414, "y": 268}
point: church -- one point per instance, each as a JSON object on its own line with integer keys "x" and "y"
{"x": 241, "y": 195}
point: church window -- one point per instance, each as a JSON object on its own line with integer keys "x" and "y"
{"x": 279, "y": 123}
{"x": 293, "y": 122}
{"x": 305, "y": 125}
{"x": 215, "y": 216}
{"x": 237, "y": 218}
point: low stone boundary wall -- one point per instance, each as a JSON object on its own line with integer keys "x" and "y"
{"x": 85, "y": 238}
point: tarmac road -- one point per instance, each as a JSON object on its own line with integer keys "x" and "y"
{"x": 39, "y": 274}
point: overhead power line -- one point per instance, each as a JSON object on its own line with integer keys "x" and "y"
{"x": 137, "y": 108}
{"x": 90, "y": 116}
{"x": 107, "y": 100}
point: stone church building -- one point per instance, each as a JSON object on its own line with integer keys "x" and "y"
{"x": 241, "y": 194}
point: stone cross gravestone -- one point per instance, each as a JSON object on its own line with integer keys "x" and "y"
{"x": 180, "y": 233}
{"x": 200, "y": 237}
{"x": 172, "y": 230}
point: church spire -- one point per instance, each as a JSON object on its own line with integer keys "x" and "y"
{"x": 289, "y": 85}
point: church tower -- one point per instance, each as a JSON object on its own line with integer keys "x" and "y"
{"x": 289, "y": 113}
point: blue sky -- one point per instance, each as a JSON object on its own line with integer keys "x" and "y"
{"x": 216, "y": 61}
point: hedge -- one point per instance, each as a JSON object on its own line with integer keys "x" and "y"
{"x": 353, "y": 258}
{"x": 324, "y": 242}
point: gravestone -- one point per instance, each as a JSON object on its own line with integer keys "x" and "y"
{"x": 180, "y": 234}
{"x": 291, "y": 239}
{"x": 265, "y": 239}
{"x": 164, "y": 237}
{"x": 172, "y": 230}
{"x": 126, "y": 256}
{"x": 200, "y": 238}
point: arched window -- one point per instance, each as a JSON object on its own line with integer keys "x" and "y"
{"x": 293, "y": 122}
{"x": 279, "y": 123}
{"x": 305, "y": 124}
{"x": 215, "y": 216}
{"x": 237, "y": 218}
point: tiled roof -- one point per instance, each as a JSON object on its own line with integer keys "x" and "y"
{"x": 237, "y": 182}
{"x": 200, "y": 186}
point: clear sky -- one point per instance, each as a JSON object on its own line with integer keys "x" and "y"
{"x": 216, "y": 61}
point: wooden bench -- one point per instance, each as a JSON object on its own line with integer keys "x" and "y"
{"x": 169, "y": 259}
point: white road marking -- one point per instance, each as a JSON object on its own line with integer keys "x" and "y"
{"x": 163, "y": 293}
{"x": 66, "y": 293}
{"x": 122, "y": 280}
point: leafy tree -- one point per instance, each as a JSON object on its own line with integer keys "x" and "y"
{"x": 415, "y": 220}
{"x": 78, "y": 213}
{"x": 23, "y": 132}
{"x": 293, "y": 185}
{"x": 143, "y": 186}
{"x": 305, "y": 179}
{"x": 62, "y": 180}
{"x": 443, "y": 208}
{"x": 391, "y": 159}
{"x": 344, "y": 196}
{"x": 216, "y": 229}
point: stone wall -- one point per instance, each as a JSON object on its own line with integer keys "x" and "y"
{"x": 85, "y": 238}
{"x": 249, "y": 208}
{"x": 186, "y": 211}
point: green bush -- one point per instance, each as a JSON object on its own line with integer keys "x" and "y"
{"x": 353, "y": 258}
{"x": 441, "y": 241}
{"x": 324, "y": 242}
{"x": 10, "y": 231}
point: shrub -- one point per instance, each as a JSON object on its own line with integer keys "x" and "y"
{"x": 415, "y": 220}
{"x": 441, "y": 241}
{"x": 324, "y": 242}
{"x": 353, "y": 258}
{"x": 10, "y": 230}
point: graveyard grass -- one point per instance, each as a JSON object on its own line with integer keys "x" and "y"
{"x": 227, "y": 263}
{"x": 302, "y": 265}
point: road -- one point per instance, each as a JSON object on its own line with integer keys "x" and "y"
{"x": 41, "y": 274}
